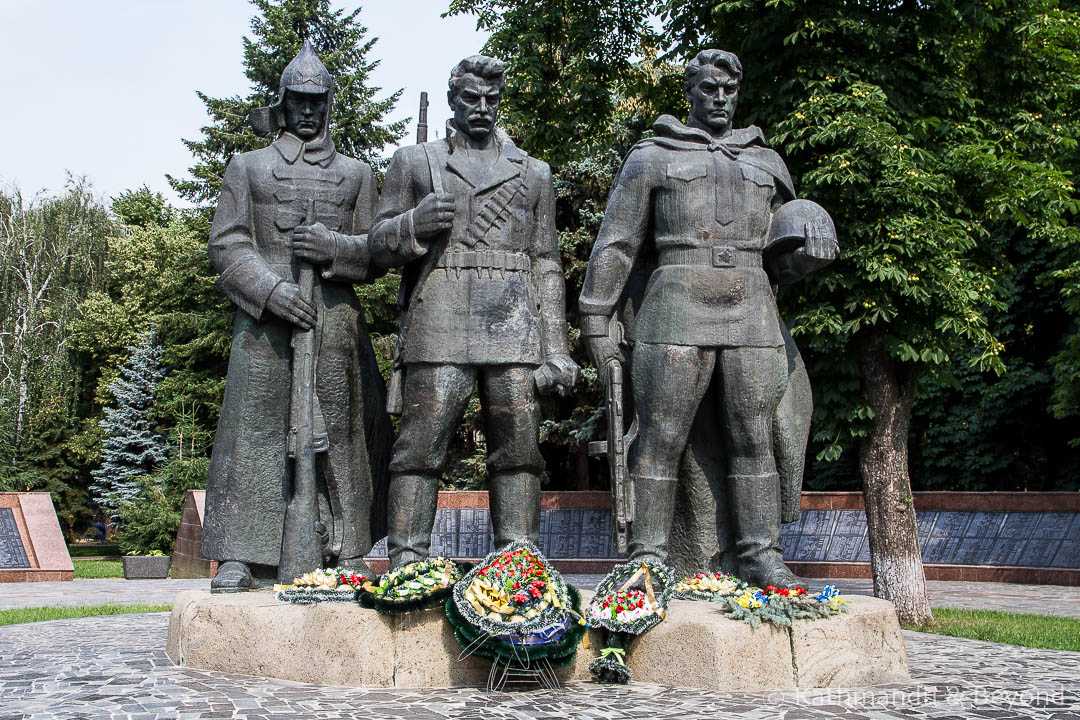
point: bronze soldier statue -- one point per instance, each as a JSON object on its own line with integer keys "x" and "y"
{"x": 703, "y": 199}
{"x": 471, "y": 219}
{"x": 286, "y": 210}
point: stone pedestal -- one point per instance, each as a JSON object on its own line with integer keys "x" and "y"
{"x": 342, "y": 644}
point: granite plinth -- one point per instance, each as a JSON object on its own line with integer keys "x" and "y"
{"x": 344, "y": 645}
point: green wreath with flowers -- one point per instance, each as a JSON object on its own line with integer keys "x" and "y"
{"x": 322, "y": 585}
{"x": 416, "y": 586}
{"x": 514, "y": 606}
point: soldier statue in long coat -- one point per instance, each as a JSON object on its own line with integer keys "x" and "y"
{"x": 258, "y": 239}
{"x": 471, "y": 218}
{"x": 715, "y": 209}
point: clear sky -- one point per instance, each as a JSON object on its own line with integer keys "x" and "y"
{"x": 106, "y": 88}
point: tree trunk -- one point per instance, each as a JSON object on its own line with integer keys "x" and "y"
{"x": 895, "y": 559}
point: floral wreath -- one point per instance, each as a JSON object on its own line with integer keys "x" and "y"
{"x": 322, "y": 585}
{"x": 416, "y": 586}
{"x": 707, "y": 586}
{"x": 513, "y": 605}
{"x": 630, "y": 610}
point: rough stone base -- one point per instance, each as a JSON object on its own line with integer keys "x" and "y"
{"x": 342, "y": 644}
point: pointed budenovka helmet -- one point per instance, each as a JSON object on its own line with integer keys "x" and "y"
{"x": 305, "y": 74}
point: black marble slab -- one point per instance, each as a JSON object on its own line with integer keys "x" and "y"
{"x": 12, "y": 553}
{"x": 1025, "y": 539}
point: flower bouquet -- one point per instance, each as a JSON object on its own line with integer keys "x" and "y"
{"x": 781, "y": 606}
{"x": 707, "y": 586}
{"x": 323, "y": 585}
{"x": 515, "y": 606}
{"x": 416, "y": 586}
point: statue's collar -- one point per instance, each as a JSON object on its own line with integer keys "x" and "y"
{"x": 319, "y": 151}
{"x": 668, "y": 126}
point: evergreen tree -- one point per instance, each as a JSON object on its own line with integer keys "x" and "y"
{"x": 131, "y": 448}
{"x": 280, "y": 30}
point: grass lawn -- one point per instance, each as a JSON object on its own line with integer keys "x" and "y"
{"x": 27, "y": 615}
{"x": 85, "y": 569}
{"x": 1034, "y": 631}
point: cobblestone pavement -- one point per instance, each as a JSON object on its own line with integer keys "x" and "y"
{"x": 115, "y": 667}
{"x": 1038, "y": 599}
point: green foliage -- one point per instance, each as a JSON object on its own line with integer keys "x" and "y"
{"x": 149, "y": 523}
{"x": 279, "y": 31}
{"x": 142, "y": 208}
{"x": 131, "y": 447}
{"x": 941, "y": 138}
{"x": 51, "y": 256}
{"x": 564, "y": 62}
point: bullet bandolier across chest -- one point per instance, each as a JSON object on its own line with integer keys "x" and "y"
{"x": 474, "y": 298}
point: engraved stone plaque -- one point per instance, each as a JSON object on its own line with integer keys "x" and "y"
{"x": 1068, "y": 556}
{"x": 444, "y": 534}
{"x": 811, "y": 548}
{"x": 1052, "y": 526}
{"x": 984, "y": 525}
{"x": 972, "y": 551}
{"x": 1006, "y": 551}
{"x": 950, "y": 524}
{"x": 12, "y": 552}
{"x": 1039, "y": 553}
{"x": 1019, "y": 525}
{"x": 844, "y": 548}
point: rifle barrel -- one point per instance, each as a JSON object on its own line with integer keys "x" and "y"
{"x": 421, "y": 124}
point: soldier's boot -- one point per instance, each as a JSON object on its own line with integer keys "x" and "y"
{"x": 232, "y": 576}
{"x": 654, "y": 509}
{"x": 755, "y": 511}
{"x": 514, "y": 499}
{"x": 413, "y": 500}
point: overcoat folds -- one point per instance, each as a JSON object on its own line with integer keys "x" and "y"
{"x": 264, "y": 196}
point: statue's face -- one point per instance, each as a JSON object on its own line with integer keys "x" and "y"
{"x": 713, "y": 98}
{"x": 475, "y": 105}
{"x": 304, "y": 113}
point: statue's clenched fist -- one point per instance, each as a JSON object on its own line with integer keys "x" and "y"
{"x": 434, "y": 214}
{"x": 314, "y": 243}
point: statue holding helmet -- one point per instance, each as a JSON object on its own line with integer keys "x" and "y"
{"x": 701, "y": 226}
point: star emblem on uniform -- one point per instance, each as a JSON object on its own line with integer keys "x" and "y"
{"x": 306, "y": 78}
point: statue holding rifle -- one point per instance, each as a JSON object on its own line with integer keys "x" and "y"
{"x": 706, "y": 214}
{"x": 297, "y": 476}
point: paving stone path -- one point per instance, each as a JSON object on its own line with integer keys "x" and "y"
{"x": 114, "y": 667}
{"x": 1038, "y": 599}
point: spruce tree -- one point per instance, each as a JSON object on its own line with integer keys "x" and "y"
{"x": 131, "y": 448}
{"x": 280, "y": 29}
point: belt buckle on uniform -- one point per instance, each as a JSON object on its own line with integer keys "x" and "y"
{"x": 723, "y": 256}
